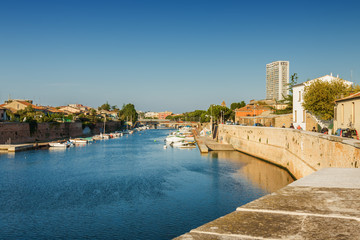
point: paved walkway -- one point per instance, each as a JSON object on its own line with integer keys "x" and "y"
{"x": 323, "y": 205}
{"x": 21, "y": 147}
{"x": 208, "y": 144}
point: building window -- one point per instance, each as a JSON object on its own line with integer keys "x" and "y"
{"x": 335, "y": 113}
{"x": 304, "y": 115}
{"x": 295, "y": 116}
{"x": 342, "y": 113}
{"x": 299, "y": 96}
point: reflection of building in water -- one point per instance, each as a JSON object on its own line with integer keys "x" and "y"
{"x": 265, "y": 175}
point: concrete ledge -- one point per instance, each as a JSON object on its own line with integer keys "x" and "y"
{"x": 332, "y": 178}
{"x": 310, "y": 208}
{"x": 21, "y": 147}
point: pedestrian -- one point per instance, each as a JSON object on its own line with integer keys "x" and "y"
{"x": 291, "y": 125}
{"x": 314, "y": 130}
{"x": 283, "y": 126}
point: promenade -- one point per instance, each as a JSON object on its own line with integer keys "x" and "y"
{"x": 323, "y": 205}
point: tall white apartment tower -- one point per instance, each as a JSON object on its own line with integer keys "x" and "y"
{"x": 277, "y": 78}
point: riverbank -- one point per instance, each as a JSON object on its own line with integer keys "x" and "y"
{"x": 323, "y": 205}
{"x": 26, "y": 133}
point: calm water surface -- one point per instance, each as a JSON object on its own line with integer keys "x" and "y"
{"x": 126, "y": 188}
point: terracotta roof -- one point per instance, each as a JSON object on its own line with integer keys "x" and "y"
{"x": 252, "y": 107}
{"x": 25, "y": 103}
{"x": 54, "y": 110}
{"x": 355, "y": 95}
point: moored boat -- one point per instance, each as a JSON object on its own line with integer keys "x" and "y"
{"x": 183, "y": 144}
{"x": 59, "y": 144}
{"x": 78, "y": 140}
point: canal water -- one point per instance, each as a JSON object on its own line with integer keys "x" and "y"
{"x": 125, "y": 188}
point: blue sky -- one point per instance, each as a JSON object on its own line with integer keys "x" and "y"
{"x": 176, "y": 55}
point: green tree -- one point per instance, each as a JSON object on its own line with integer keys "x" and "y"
{"x": 320, "y": 96}
{"x": 235, "y": 105}
{"x": 115, "y": 108}
{"x": 106, "y": 106}
{"x": 218, "y": 112}
{"x": 128, "y": 113}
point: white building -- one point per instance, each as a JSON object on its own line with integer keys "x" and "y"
{"x": 277, "y": 79}
{"x": 151, "y": 115}
{"x": 299, "y": 113}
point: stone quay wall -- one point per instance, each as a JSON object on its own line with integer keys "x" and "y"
{"x": 300, "y": 152}
{"x": 16, "y": 133}
{"x": 109, "y": 127}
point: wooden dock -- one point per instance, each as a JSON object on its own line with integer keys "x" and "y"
{"x": 22, "y": 147}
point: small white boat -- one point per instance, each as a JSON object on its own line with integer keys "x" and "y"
{"x": 105, "y": 136}
{"x": 173, "y": 139}
{"x": 60, "y": 144}
{"x": 116, "y": 135}
{"x": 78, "y": 140}
{"x": 97, "y": 137}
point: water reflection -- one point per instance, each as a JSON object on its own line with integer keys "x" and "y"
{"x": 7, "y": 154}
{"x": 125, "y": 188}
{"x": 265, "y": 175}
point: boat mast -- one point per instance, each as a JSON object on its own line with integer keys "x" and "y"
{"x": 104, "y": 122}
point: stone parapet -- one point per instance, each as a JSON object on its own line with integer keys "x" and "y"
{"x": 300, "y": 152}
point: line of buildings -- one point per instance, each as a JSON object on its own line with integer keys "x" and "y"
{"x": 157, "y": 115}
{"x": 16, "y": 105}
{"x": 346, "y": 112}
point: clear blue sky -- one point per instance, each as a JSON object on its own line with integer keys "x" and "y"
{"x": 176, "y": 55}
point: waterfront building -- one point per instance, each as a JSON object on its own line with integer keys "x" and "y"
{"x": 111, "y": 114}
{"x": 153, "y": 115}
{"x": 270, "y": 103}
{"x": 69, "y": 110}
{"x": 301, "y": 118}
{"x": 250, "y": 110}
{"x": 80, "y": 107}
{"x": 163, "y": 115}
{"x": 277, "y": 80}
{"x": 15, "y": 105}
{"x": 347, "y": 112}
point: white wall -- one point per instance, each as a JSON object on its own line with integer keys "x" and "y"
{"x": 298, "y": 110}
